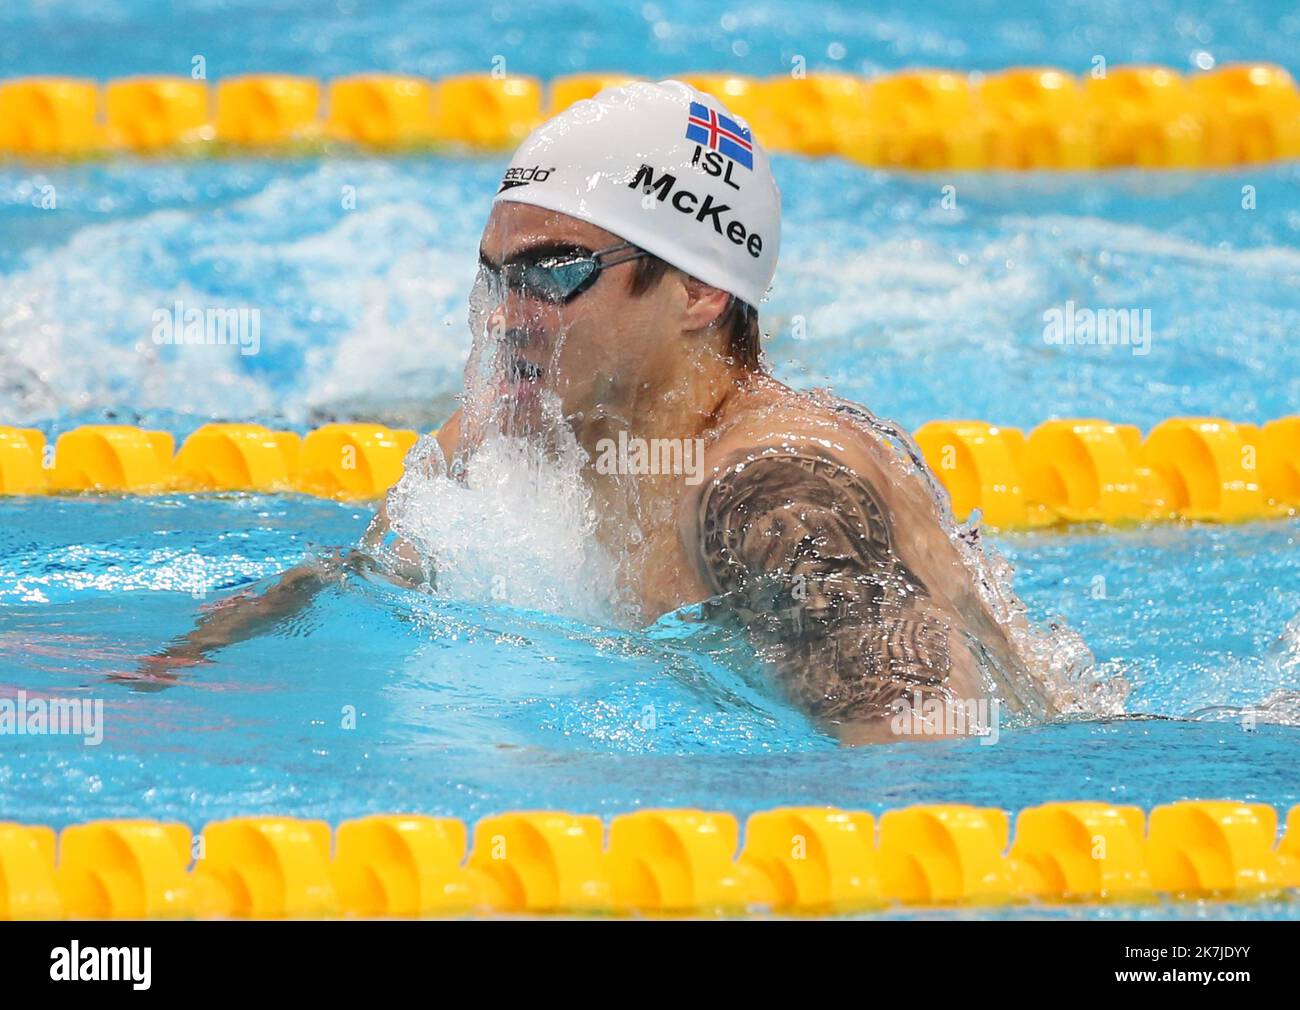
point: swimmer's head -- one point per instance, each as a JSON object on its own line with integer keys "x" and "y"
{"x": 629, "y": 230}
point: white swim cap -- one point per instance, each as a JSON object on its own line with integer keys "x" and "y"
{"x": 665, "y": 167}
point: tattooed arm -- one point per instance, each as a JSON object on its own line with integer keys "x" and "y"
{"x": 802, "y": 548}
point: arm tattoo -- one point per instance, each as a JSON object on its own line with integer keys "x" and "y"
{"x": 801, "y": 550}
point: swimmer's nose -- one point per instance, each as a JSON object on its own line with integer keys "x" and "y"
{"x": 519, "y": 339}
{"x": 515, "y": 328}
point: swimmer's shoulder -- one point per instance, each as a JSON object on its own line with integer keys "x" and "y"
{"x": 773, "y": 418}
{"x": 777, "y": 441}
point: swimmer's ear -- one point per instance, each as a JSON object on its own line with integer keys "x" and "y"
{"x": 704, "y": 304}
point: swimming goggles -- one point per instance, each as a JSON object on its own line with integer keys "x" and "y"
{"x": 552, "y": 274}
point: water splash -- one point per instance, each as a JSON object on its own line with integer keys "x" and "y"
{"x": 1282, "y": 705}
{"x": 1281, "y": 708}
{"x": 518, "y": 528}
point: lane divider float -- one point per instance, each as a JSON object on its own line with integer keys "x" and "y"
{"x": 1064, "y": 472}
{"x": 1019, "y": 118}
{"x": 1092, "y": 471}
{"x": 810, "y": 860}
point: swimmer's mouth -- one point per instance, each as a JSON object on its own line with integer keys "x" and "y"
{"x": 525, "y": 371}
{"x": 521, "y": 381}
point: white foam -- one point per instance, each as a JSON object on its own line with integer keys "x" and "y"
{"x": 347, "y": 300}
{"x": 520, "y": 530}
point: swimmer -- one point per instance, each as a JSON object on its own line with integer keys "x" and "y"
{"x": 621, "y": 268}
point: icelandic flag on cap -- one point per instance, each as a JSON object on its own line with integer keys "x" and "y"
{"x": 719, "y": 133}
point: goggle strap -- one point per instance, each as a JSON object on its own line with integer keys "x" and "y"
{"x": 636, "y": 254}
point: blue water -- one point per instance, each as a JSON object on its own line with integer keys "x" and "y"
{"x": 917, "y": 311}
{"x": 439, "y": 37}
{"x": 467, "y": 708}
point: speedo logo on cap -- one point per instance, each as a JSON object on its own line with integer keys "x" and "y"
{"x": 708, "y": 209}
{"x": 523, "y": 176}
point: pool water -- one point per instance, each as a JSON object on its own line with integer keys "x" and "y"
{"x": 471, "y": 708}
{"x": 377, "y": 699}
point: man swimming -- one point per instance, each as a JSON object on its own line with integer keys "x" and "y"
{"x": 627, "y": 250}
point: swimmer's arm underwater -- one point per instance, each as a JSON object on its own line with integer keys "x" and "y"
{"x": 248, "y": 614}
{"x": 801, "y": 548}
